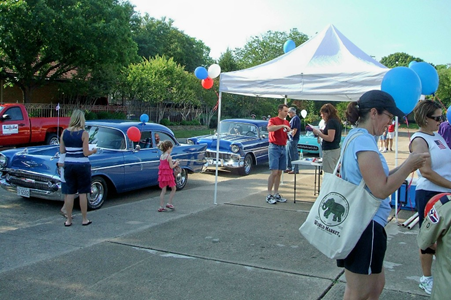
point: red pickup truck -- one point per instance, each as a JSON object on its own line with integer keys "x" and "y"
{"x": 17, "y": 129}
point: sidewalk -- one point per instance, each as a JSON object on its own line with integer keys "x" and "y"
{"x": 242, "y": 248}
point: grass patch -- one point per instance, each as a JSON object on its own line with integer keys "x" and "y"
{"x": 190, "y": 133}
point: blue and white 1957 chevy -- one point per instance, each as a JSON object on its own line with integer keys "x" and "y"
{"x": 243, "y": 143}
{"x": 119, "y": 165}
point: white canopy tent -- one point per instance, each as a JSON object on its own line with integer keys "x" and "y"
{"x": 328, "y": 67}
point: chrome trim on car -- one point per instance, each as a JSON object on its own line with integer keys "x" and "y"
{"x": 35, "y": 193}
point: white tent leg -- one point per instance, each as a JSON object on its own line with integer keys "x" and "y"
{"x": 396, "y": 165}
{"x": 217, "y": 147}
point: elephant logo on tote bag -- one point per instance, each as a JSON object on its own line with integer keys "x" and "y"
{"x": 333, "y": 209}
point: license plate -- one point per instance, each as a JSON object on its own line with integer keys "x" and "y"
{"x": 23, "y": 192}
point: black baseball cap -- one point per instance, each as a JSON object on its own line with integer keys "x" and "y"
{"x": 380, "y": 99}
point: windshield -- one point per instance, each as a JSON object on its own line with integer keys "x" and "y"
{"x": 103, "y": 137}
{"x": 238, "y": 128}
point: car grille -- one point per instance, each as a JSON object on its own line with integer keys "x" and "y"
{"x": 308, "y": 147}
{"x": 222, "y": 155}
{"x": 32, "y": 181}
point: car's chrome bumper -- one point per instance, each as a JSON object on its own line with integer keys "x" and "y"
{"x": 34, "y": 193}
{"x": 225, "y": 163}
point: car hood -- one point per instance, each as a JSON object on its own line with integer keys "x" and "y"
{"x": 40, "y": 159}
{"x": 225, "y": 141}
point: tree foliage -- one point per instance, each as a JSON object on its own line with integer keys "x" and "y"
{"x": 159, "y": 37}
{"x": 444, "y": 88}
{"x": 44, "y": 40}
{"x": 227, "y": 61}
{"x": 260, "y": 49}
{"x": 161, "y": 82}
{"x": 398, "y": 59}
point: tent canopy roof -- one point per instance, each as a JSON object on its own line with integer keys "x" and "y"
{"x": 327, "y": 67}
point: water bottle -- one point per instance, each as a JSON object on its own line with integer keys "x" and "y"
{"x": 301, "y": 155}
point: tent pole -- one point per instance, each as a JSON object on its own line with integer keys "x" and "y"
{"x": 396, "y": 165}
{"x": 218, "y": 138}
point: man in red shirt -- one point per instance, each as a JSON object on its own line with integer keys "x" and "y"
{"x": 278, "y": 128}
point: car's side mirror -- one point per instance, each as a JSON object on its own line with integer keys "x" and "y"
{"x": 5, "y": 117}
{"x": 137, "y": 148}
{"x": 263, "y": 136}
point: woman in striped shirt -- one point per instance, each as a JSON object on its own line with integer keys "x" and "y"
{"x": 77, "y": 169}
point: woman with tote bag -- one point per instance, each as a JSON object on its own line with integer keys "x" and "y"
{"x": 372, "y": 114}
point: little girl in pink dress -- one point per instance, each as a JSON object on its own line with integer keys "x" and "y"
{"x": 166, "y": 174}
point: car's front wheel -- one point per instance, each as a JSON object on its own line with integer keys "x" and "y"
{"x": 181, "y": 179}
{"x": 248, "y": 162}
{"x": 99, "y": 192}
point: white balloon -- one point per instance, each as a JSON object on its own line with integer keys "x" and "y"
{"x": 304, "y": 113}
{"x": 214, "y": 70}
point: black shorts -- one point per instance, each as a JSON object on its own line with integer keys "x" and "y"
{"x": 421, "y": 199}
{"x": 64, "y": 188}
{"x": 78, "y": 178}
{"x": 367, "y": 257}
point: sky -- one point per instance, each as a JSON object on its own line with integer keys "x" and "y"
{"x": 420, "y": 28}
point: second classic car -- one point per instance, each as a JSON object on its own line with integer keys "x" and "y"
{"x": 242, "y": 144}
{"x": 119, "y": 165}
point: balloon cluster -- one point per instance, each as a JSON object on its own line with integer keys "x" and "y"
{"x": 288, "y": 46}
{"x": 406, "y": 85}
{"x": 207, "y": 76}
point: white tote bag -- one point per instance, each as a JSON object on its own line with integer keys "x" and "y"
{"x": 339, "y": 215}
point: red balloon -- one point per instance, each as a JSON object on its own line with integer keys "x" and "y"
{"x": 207, "y": 83}
{"x": 434, "y": 200}
{"x": 134, "y": 134}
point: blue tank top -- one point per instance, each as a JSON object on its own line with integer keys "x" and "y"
{"x": 74, "y": 147}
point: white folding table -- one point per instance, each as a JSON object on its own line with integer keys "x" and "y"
{"x": 318, "y": 171}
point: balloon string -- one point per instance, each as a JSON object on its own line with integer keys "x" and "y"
{"x": 412, "y": 175}
{"x": 217, "y": 102}
{"x": 436, "y": 97}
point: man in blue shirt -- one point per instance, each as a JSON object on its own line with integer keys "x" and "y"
{"x": 292, "y": 144}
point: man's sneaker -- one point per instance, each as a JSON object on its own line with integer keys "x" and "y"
{"x": 270, "y": 199}
{"x": 278, "y": 198}
{"x": 426, "y": 284}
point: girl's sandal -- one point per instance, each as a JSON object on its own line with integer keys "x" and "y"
{"x": 161, "y": 209}
{"x": 170, "y": 206}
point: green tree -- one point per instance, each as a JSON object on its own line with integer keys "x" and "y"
{"x": 398, "y": 59}
{"x": 44, "y": 40}
{"x": 260, "y": 49}
{"x": 227, "y": 61}
{"x": 161, "y": 82}
{"x": 159, "y": 37}
{"x": 444, "y": 87}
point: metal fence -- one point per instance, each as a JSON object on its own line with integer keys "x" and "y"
{"x": 132, "y": 110}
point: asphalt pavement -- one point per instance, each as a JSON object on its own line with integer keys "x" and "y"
{"x": 239, "y": 248}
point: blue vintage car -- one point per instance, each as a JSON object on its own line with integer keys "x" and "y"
{"x": 243, "y": 144}
{"x": 119, "y": 165}
{"x": 308, "y": 143}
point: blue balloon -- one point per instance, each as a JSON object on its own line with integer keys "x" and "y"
{"x": 412, "y": 63}
{"x": 201, "y": 73}
{"x": 404, "y": 85}
{"x": 144, "y": 118}
{"x": 288, "y": 46}
{"x": 428, "y": 76}
{"x": 448, "y": 114}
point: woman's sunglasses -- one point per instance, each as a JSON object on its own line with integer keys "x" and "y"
{"x": 436, "y": 118}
